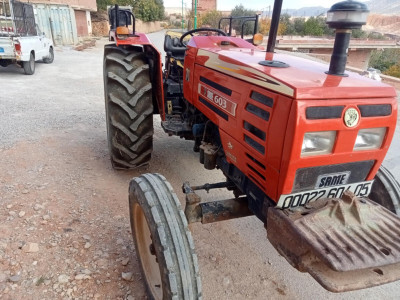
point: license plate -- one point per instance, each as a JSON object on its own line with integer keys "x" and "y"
{"x": 361, "y": 189}
{"x": 1, "y": 49}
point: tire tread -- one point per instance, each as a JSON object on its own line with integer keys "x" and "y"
{"x": 129, "y": 107}
{"x": 175, "y": 239}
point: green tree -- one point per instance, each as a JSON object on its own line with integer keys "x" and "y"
{"x": 384, "y": 60}
{"x": 264, "y": 26}
{"x": 145, "y": 10}
{"x": 148, "y": 10}
{"x": 313, "y": 27}
{"x": 286, "y": 25}
{"x": 210, "y": 18}
{"x": 240, "y": 11}
{"x": 102, "y": 4}
{"x": 298, "y": 25}
{"x": 394, "y": 71}
{"x": 376, "y": 36}
{"x": 358, "y": 34}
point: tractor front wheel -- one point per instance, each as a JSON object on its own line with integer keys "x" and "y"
{"x": 386, "y": 190}
{"x": 129, "y": 106}
{"x": 162, "y": 239}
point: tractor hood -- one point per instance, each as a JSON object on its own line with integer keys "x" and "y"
{"x": 300, "y": 78}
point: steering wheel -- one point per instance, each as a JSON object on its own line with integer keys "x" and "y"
{"x": 219, "y": 31}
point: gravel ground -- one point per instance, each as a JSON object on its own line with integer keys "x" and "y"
{"x": 64, "y": 224}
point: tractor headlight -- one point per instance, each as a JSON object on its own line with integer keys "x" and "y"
{"x": 369, "y": 138}
{"x": 317, "y": 143}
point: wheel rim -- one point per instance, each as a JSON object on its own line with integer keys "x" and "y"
{"x": 148, "y": 260}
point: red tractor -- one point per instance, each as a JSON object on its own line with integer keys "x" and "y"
{"x": 301, "y": 147}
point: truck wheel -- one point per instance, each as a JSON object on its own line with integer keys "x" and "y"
{"x": 29, "y": 66}
{"x": 162, "y": 239}
{"x": 386, "y": 190}
{"x": 129, "y": 107}
{"x": 50, "y": 58}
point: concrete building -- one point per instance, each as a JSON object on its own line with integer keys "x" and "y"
{"x": 205, "y": 5}
{"x": 65, "y": 21}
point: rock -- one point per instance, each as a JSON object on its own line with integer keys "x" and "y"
{"x": 21, "y": 214}
{"x": 3, "y": 245}
{"x": 120, "y": 241}
{"x": 88, "y": 245}
{"x": 69, "y": 292}
{"x": 34, "y": 263}
{"x": 86, "y": 271}
{"x": 37, "y": 207}
{"x": 127, "y": 276}
{"x": 12, "y": 213}
{"x": 30, "y": 248}
{"x": 15, "y": 278}
{"x": 63, "y": 278}
{"x": 125, "y": 261}
{"x": 75, "y": 244}
{"x": 102, "y": 263}
{"x": 82, "y": 277}
{"x": 3, "y": 277}
{"x": 130, "y": 297}
{"x": 226, "y": 281}
{"x": 46, "y": 217}
{"x": 9, "y": 206}
{"x": 86, "y": 237}
{"x": 25, "y": 192}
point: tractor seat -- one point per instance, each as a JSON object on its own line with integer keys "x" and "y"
{"x": 173, "y": 46}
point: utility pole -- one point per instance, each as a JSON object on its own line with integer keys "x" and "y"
{"x": 183, "y": 21}
{"x": 195, "y": 14}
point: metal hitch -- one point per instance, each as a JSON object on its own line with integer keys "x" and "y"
{"x": 213, "y": 211}
{"x": 345, "y": 244}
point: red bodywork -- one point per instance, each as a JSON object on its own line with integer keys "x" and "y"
{"x": 303, "y": 84}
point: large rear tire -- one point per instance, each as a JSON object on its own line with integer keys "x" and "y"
{"x": 29, "y": 66}
{"x": 386, "y": 190}
{"x": 129, "y": 107}
{"x": 162, "y": 239}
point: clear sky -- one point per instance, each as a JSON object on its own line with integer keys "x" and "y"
{"x": 257, "y": 4}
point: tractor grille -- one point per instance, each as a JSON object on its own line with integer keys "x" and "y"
{"x": 256, "y": 118}
{"x": 307, "y": 177}
{"x": 324, "y": 112}
{"x": 379, "y": 110}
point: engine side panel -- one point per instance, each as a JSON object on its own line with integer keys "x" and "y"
{"x": 251, "y": 121}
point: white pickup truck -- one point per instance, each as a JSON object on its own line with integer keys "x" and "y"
{"x": 21, "y": 41}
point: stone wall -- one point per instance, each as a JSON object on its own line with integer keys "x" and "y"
{"x": 101, "y": 28}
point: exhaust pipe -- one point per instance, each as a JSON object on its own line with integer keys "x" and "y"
{"x": 343, "y": 17}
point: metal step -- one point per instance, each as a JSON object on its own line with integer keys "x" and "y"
{"x": 345, "y": 244}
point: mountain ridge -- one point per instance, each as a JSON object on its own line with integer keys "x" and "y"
{"x": 382, "y": 7}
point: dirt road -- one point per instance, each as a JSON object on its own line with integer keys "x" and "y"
{"x": 64, "y": 226}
